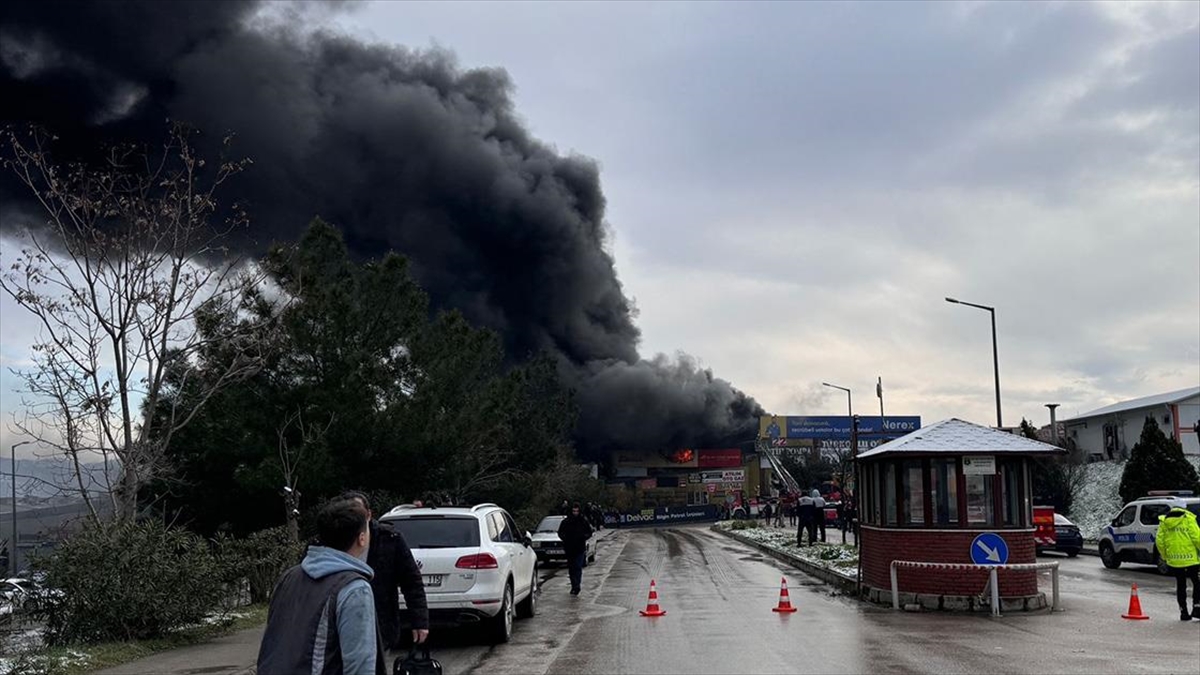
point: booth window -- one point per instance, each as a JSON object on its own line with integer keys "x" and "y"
{"x": 1010, "y": 491}
{"x": 979, "y": 500}
{"x": 912, "y": 481}
{"x": 944, "y": 490}
{"x": 889, "y": 493}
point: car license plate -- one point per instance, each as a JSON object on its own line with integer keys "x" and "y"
{"x": 556, "y": 551}
{"x": 433, "y": 579}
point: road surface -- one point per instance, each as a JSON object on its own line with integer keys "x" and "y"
{"x": 719, "y": 593}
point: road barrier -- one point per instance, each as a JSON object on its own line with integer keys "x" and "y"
{"x": 993, "y": 582}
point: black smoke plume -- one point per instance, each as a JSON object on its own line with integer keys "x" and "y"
{"x": 401, "y": 149}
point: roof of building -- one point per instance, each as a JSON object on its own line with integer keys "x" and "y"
{"x": 1144, "y": 402}
{"x": 956, "y": 437}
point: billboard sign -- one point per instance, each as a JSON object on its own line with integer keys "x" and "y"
{"x": 720, "y": 459}
{"x": 833, "y": 427}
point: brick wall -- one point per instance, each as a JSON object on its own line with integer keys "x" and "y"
{"x": 880, "y": 546}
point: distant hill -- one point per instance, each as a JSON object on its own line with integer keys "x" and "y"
{"x": 37, "y": 478}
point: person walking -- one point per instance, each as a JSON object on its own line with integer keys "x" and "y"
{"x": 392, "y": 561}
{"x": 804, "y": 514}
{"x": 322, "y": 616}
{"x": 574, "y": 531}
{"x": 819, "y": 507}
{"x": 1178, "y": 544}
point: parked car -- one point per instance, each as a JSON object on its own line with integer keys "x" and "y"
{"x": 548, "y": 546}
{"x": 478, "y": 568}
{"x": 1067, "y": 537}
{"x": 1130, "y": 535}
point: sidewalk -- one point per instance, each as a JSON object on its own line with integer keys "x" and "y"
{"x": 233, "y": 654}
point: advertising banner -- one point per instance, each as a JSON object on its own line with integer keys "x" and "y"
{"x": 720, "y": 459}
{"x": 662, "y": 515}
{"x": 779, "y": 427}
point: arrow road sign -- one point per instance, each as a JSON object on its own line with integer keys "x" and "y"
{"x": 989, "y": 548}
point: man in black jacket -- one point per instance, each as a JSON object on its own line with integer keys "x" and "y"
{"x": 574, "y": 532}
{"x": 392, "y": 561}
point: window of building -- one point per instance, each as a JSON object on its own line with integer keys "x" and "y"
{"x": 889, "y": 493}
{"x": 912, "y": 482}
{"x": 979, "y": 500}
{"x": 1010, "y": 491}
{"x": 944, "y": 491}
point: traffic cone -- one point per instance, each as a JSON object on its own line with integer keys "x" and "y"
{"x": 785, "y": 601}
{"x": 1135, "y": 607}
{"x": 652, "y": 608}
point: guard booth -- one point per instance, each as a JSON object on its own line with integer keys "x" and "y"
{"x": 954, "y": 494}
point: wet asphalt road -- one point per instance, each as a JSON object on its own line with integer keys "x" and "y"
{"x": 718, "y": 595}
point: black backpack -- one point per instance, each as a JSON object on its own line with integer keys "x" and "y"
{"x": 417, "y": 663}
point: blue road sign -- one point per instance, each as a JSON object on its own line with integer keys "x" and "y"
{"x": 989, "y": 548}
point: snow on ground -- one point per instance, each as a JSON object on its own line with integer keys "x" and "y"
{"x": 839, "y": 557}
{"x": 1097, "y": 500}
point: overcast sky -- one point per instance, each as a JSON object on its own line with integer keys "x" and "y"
{"x": 793, "y": 188}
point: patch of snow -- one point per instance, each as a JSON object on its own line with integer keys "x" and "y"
{"x": 1097, "y": 501}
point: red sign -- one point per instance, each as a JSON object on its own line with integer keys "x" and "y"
{"x": 720, "y": 459}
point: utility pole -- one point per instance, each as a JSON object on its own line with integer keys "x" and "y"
{"x": 12, "y": 556}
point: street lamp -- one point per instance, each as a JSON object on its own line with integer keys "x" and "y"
{"x": 12, "y": 556}
{"x": 995, "y": 354}
{"x": 854, "y": 455}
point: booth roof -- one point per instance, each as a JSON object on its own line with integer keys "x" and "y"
{"x": 956, "y": 437}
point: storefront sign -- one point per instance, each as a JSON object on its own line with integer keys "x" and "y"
{"x": 736, "y": 476}
{"x": 720, "y": 459}
{"x": 979, "y": 465}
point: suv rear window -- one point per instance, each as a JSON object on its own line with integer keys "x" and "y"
{"x": 438, "y": 531}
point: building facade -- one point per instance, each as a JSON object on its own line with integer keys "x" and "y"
{"x": 1109, "y": 433}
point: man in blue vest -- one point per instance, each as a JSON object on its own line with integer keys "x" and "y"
{"x": 322, "y": 614}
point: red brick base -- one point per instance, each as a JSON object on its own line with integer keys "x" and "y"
{"x": 880, "y": 546}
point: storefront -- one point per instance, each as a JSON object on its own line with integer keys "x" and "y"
{"x": 930, "y": 495}
{"x": 687, "y": 478}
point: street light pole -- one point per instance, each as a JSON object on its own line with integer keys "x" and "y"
{"x": 12, "y": 555}
{"x": 995, "y": 353}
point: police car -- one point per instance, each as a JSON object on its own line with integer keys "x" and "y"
{"x": 1130, "y": 535}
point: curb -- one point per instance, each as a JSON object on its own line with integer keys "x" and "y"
{"x": 844, "y": 584}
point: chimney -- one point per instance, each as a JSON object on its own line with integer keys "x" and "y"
{"x": 1053, "y": 423}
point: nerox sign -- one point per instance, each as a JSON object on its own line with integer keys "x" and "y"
{"x": 833, "y": 426}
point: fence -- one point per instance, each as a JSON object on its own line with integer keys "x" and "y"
{"x": 993, "y": 582}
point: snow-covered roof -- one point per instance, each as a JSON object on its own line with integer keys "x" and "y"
{"x": 1144, "y": 402}
{"x": 954, "y": 436}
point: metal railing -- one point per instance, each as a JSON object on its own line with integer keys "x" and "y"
{"x": 993, "y": 581}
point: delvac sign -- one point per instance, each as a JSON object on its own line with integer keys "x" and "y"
{"x": 663, "y": 515}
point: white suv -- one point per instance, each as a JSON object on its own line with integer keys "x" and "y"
{"x": 1130, "y": 535}
{"x": 477, "y": 567}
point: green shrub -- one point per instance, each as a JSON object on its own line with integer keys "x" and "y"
{"x": 744, "y": 524}
{"x": 128, "y": 581}
{"x": 259, "y": 559}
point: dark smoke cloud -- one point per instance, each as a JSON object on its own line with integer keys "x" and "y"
{"x": 403, "y": 150}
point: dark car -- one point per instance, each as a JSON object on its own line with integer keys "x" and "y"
{"x": 1067, "y": 537}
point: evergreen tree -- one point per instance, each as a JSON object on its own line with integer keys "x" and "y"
{"x": 1156, "y": 463}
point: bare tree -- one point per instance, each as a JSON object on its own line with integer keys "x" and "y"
{"x": 291, "y": 461}
{"x": 131, "y": 256}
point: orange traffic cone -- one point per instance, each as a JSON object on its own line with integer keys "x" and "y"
{"x": 652, "y": 608}
{"x": 785, "y": 601}
{"x": 1135, "y": 607}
